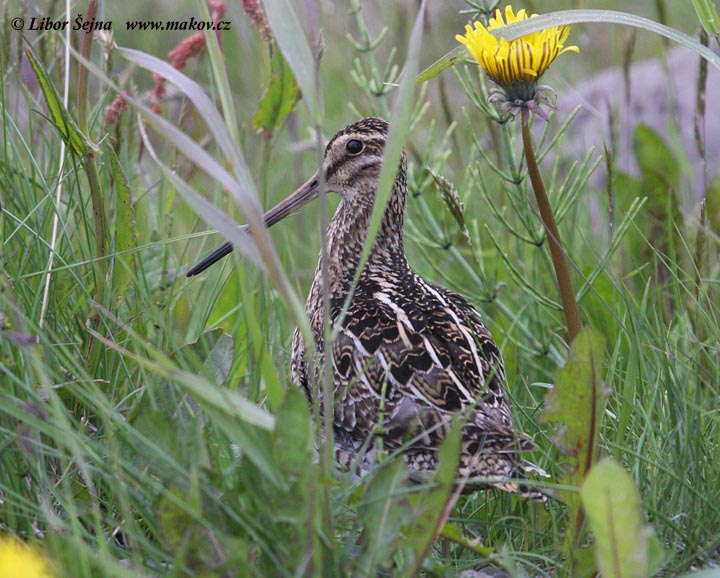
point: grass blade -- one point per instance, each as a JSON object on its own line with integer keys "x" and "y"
{"x": 204, "y": 106}
{"x": 294, "y": 45}
{"x": 211, "y": 214}
{"x": 69, "y": 130}
{"x": 125, "y": 241}
{"x": 399, "y": 125}
{"x": 708, "y": 16}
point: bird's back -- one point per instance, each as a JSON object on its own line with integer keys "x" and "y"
{"x": 410, "y": 357}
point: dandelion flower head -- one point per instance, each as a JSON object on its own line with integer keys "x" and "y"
{"x": 517, "y": 65}
{"x": 17, "y": 560}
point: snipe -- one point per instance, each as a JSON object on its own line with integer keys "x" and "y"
{"x": 409, "y": 356}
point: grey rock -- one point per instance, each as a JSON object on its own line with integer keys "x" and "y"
{"x": 662, "y": 94}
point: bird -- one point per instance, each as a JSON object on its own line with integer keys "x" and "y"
{"x": 407, "y": 357}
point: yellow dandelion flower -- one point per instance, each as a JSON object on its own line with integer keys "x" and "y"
{"x": 17, "y": 560}
{"x": 515, "y": 66}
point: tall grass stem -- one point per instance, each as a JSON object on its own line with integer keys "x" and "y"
{"x": 59, "y": 189}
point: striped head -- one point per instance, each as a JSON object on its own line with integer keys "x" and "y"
{"x": 351, "y": 168}
{"x": 353, "y": 157}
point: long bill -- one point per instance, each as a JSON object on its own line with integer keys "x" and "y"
{"x": 302, "y": 196}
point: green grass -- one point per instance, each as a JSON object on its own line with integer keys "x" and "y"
{"x": 150, "y": 429}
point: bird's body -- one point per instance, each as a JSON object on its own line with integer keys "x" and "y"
{"x": 408, "y": 356}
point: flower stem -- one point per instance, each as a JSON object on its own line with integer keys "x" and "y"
{"x": 559, "y": 258}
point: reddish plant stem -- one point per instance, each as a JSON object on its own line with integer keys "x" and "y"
{"x": 559, "y": 258}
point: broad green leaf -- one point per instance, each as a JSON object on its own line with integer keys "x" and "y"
{"x": 280, "y": 97}
{"x": 613, "y": 508}
{"x": 577, "y": 401}
{"x": 69, "y": 131}
{"x": 382, "y": 514}
{"x": 292, "y": 40}
{"x": 708, "y": 16}
{"x": 584, "y": 564}
{"x": 657, "y": 557}
{"x": 216, "y": 351}
{"x": 429, "y": 506}
{"x": 656, "y": 160}
{"x": 125, "y": 241}
{"x": 293, "y": 436}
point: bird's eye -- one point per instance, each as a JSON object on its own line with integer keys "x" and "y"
{"x": 354, "y": 146}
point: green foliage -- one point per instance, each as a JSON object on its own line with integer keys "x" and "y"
{"x": 708, "y": 16}
{"x": 61, "y": 118}
{"x": 280, "y": 97}
{"x": 125, "y": 242}
{"x": 177, "y": 446}
{"x": 615, "y": 517}
{"x": 660, "y": 224}
{"x": 578, "y": 402}
{"x": 295, "y": 47}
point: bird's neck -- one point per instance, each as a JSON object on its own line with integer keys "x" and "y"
{"x": 346, "y": 236}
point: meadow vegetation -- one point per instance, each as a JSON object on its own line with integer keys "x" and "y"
{"x": 148, "y": 426}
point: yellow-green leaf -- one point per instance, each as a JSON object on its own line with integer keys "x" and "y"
{"x": 295, "y": 46}
{"x": 69, "y": 131}
{"x": 125, "y": 241}
{"x": 708, "y": 16}
{"x": 280, "y": 98}
{"x": 612, "y": 504}
{"x": 577, "y": 401}
{"x": 455, "y": 56}
{"x": 292, "y": 439}
{"x": 429, "y": 507}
